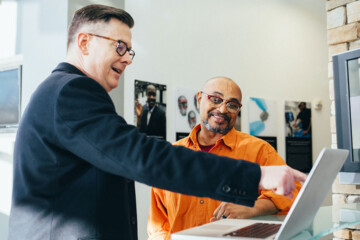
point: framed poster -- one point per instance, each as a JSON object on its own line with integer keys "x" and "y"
{"x": 298, "y": 139}
{"x": 150, "y": 108}
{"x": 262, "y": 119}
{"x": 186, "y": 112}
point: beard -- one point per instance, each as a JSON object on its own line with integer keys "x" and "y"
{"x": 218, "y": 129}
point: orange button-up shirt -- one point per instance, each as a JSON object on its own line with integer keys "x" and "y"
{"x": 171, "y": 212}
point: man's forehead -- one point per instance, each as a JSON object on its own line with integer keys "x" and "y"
{"x": 223, "y": 87}
{"x": 216, "y": 82}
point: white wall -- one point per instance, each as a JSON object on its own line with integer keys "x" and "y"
{"x": 8, "y": 20}
{"x": 273, "y": 49}
{"x": 42, "y": 32}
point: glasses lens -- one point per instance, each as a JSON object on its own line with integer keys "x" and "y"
{"x": 232, "y": 106}
{"x": 215, "y": 100}
{"x": 132, "y": 54}
{"x": 121, "y": 48}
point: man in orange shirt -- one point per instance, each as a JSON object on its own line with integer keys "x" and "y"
{"x": 219, "y": 102}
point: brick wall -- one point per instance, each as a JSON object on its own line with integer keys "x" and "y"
{"x": 343, "y": 25}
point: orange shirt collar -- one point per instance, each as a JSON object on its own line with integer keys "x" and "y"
{"x": 228, "y": 140}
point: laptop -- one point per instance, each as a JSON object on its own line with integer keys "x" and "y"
{"x": 296, "y": 222}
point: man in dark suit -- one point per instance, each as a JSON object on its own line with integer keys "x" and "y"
{"x": 75, "y": 158}
{"x": 153, "y": 119}
{"x": 303, "y": 119}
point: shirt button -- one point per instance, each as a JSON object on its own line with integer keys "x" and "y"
{"x": 133, "y": 220}
{"x": 221, "y": 148}
{"x": 226, "y": 188}
{"x": 202, "y": 201}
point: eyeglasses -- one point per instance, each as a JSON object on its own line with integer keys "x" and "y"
{"x": 121, "y": 47}
{"x": 231, "y": 106}
{"x": 151, "y": 94}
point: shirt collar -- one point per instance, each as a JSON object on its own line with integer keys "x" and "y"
{"x": 67, "y": 67}
{"x": 228, "y": 140}
{"x": 150, "y": 110}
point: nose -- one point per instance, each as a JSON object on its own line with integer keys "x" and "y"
{"x": 222, "y": 107}
{"x": 126, "y": 58}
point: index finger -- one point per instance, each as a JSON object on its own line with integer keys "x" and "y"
{"x": 217, "y": 210}
{"x": 299, "y": 176}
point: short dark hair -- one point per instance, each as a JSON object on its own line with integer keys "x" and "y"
{"x": 302, "y": 103}
{"x": 94, "y": 13}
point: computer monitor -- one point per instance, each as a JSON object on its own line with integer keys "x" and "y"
{"x": 347, "y": 104}
{"x": 10, "y": 95}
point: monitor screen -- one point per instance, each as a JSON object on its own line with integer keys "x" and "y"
{"x": 347, "y": 104}
{"x": 10, "y": 96}
{"x": 354, "y": 101}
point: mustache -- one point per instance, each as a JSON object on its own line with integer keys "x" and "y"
{"x": 216, "y": 113}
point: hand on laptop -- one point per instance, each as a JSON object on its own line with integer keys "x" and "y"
{"x": 230, "y": 210}
{"x": 280, "y": 179}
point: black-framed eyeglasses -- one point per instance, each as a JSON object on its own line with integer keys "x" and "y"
{"x": 216, "y": 101}
{"x": 121, "y": 47}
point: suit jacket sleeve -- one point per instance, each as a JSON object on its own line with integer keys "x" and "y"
{"x": 88, "y": 126}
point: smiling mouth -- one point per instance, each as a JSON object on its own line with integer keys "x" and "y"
{"x": 117, "y": 70}
{"x": 219, "y": 116}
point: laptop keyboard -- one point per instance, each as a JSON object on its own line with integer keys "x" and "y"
{"x": 256, "y": 230}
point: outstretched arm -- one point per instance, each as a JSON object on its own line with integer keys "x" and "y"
{"x": 279, "y": 179}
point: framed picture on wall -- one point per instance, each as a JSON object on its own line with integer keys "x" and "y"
{"x": 150, "y": 108}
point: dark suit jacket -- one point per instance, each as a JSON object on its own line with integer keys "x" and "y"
{"x": 157, "y": 123}
{"x": 74, "y": 157}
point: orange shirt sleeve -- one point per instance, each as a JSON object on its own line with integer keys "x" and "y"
{"x": 158, "y": 223}
{"x": 158, "y": 226}
{"x": 269, "y": 157}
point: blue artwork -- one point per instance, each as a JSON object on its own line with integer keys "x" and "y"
{"x": 258, "y": 126}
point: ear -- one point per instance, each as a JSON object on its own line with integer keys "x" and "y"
{"x": 198, "y": 98}
{"x": 83, "y": 40}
